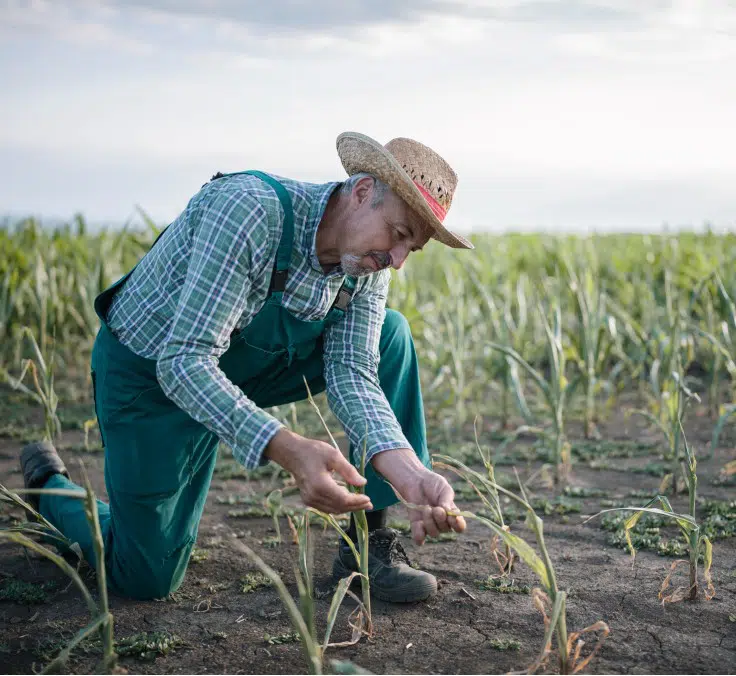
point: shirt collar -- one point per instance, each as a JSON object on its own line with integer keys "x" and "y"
{"x": 320, "y": 196}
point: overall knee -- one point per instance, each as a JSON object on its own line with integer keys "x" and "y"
{"x": 395, "y": 333}
{"x": 146, "y": 587}
{"x": 145, "y": 580}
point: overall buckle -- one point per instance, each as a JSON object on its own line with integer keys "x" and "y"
{"x": 278, "y": 280}
{"x": 343, "y": 298}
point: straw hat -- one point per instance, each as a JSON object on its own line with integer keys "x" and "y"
{"x": 413, "y": 171}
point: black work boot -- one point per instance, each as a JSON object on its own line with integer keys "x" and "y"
{"x": 390, "y": 572}
{"x": 39, "y": 461}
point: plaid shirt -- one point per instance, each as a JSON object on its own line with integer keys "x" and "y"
{"x": 210, "y": 273}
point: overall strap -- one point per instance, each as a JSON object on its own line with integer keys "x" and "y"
{"x": 286, "y": 244}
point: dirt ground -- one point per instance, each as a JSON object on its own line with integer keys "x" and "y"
{"x": 463, "y": 629}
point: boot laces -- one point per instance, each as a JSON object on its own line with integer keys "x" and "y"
{"x": 387, "y": 548}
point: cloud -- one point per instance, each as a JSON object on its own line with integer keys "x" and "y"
{"x": 278, "y": 29}
{"x": 19, "y": 18}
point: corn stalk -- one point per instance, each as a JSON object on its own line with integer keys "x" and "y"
{"x": 554, "y": 391}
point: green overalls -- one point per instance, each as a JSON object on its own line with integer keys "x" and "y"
{"x": 159, "y": 461}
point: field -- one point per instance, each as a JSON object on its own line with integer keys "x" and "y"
{"x": 601, "y": 370}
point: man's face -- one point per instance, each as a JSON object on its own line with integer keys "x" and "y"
{"x": 378, "y": 237}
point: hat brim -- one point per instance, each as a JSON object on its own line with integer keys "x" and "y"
{"x": 360, "y": 153}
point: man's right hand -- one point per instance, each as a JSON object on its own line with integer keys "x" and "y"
{"x": 312, "y": 463}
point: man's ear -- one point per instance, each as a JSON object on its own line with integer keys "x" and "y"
{"x": 363, "y": 189}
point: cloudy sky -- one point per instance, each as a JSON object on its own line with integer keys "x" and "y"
{"x": 556, "y": 114}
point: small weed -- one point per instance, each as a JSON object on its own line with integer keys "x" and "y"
{"x": 247, "y": 513}
{"x": 25, "y": 593}
{"x": 612, "y": 503}
{"x": 148, "y": 645}
{"x": 22, "y": 433}
{"x": 199, "y": 555}
{"x": 638, "y": 493}
{"x": 583, "y": 492}
{"x": 658, "y": 469}
{"x": 253, "y": 581}
{"x": 732, "y": 617}
{"x": 502, "y": 585}
{"x": 466, "y": 492}
{"x": 271, "y": 541}
{"x": 401, "y": 525}
{"x": 592, "y": 450}
{"x": 443, "y": 537}
{"x": 558, "y": 505}
{"x": 505, "y": 644}
{"x": 239, "y": 499}
{"x": 230, "y": 470}
{"x": 288, "y": 637}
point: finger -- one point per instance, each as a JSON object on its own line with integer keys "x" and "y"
{"x": 418, "y": 532}
{"x": 457, "y": 523}
{"x": 340, "y": 465}
{"x": 339, "y": 498}
{"x": 338, "y": 507}
{"x": 430, "y": 527}
{"x": 440, "y": 518}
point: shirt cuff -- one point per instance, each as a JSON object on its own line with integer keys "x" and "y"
{"x": 251, "y": 443}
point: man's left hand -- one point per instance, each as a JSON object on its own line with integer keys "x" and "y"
{"x": 420, "y": 486}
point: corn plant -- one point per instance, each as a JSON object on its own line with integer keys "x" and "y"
{"x": 511, "y": 330}
{"x": 101, "y": 617}
{"x": 485, "y": 488}
{"x": 304, "y": 626}
{"x": 698, "y": 544}
{"x": 590, "y": 343}
{"x": 302, "y": 616}
{"x": 555, "y": 391}
{"x": 548, "y": 599}
{"x": 41, "y": 370}
{"x": 672, "y": 404}
{"x": 361, "y": 521}
{"x": 726, "y": 413}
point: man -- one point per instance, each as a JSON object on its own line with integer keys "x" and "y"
{"x": 258, "y": 284}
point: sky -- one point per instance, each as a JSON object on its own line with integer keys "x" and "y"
{"x": 557, "y": 115}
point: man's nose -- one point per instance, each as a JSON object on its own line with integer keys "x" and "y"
{"x": 399, "y": 255}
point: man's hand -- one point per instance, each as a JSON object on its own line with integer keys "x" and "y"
{"x": 420, "y": 486}
{"x": 312, "y": 463}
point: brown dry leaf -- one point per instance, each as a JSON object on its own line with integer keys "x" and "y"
{"x": 504, "y": 560}
{"x": 575, "y": 665}
{"x": 680, "y": 593}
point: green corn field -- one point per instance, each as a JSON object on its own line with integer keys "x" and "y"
{"x": 595, "y": 374}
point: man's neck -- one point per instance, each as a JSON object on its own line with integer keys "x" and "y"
{"x": 328, "y": 233}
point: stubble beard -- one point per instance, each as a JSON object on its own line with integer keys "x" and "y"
{"x": 352, "y": 268}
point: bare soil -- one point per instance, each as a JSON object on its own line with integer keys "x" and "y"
{"x": 460, "y": 630}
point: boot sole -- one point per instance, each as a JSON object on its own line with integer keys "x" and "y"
{"x": 411, "y": 594}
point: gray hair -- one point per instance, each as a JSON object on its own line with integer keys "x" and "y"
{"x": 379, "y": 188}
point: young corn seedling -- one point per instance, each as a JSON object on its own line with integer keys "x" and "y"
{"x": 41, "y": 370}
{"x": 361, "y": 522}
{"x": 101, "y": 617}
{"x": 698, "y": 544}
{"x": 555, "y": 391}
{"x": 485, "y": 488}
{"x": 672, "y": 403}
{"x": 302, "y": 616}
{"x": 548, "y": 599}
